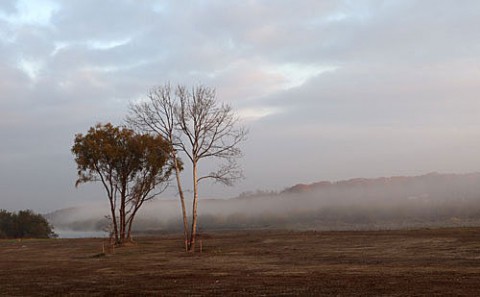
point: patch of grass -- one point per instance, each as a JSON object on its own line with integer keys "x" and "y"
{"x": 99, "y": 255}
{"x": 244, "y": 263}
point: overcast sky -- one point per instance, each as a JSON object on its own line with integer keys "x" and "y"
{"x": 329, "y": 90}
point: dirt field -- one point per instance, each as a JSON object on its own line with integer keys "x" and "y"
{"x": 257, "y": 263}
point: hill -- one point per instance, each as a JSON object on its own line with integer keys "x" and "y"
{"x": 381, "y": 203}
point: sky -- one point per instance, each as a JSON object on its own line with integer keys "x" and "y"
{"x": 329, "y": 90}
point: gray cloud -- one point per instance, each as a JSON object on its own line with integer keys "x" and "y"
{"x": 329, "y": 89}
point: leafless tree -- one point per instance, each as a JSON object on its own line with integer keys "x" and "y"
{"x": 198, "y": 126}
{"x": 157, "y": 115}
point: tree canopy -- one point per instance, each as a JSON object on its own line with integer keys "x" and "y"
{"x": 133, "y": 168}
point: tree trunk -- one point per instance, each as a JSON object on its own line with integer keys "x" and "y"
{"x": 130, "y": 224}
{"x": 129, "y": 231}
{"x": 114, "y": 221}
{"x": 182, "y": 201}
{"x": 193, "y": 233}
{"x": 123, "y": 222}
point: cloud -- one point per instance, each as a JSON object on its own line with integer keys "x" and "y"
{"x": 327, "y": 88}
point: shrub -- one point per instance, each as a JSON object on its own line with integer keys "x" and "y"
{"x": 24, "y": 224}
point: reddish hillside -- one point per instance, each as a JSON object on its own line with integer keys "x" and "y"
{"x": 405, "y": 182}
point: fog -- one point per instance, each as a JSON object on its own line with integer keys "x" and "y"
{"x": 431, "y": 200}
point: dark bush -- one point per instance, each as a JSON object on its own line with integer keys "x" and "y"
{"x": 24, "y": 224}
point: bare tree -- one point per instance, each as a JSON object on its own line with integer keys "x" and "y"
{"x": 210, "y": 131}
{"x": 157, "y": 115}
{"x": 198, "y": 126}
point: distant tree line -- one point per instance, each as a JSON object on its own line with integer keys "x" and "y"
{"x": 24, "y": 224}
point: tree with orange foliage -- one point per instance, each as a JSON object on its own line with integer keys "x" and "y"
{"x": 133, "y": 168}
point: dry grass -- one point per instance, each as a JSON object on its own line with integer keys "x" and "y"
{"x": 260, "y": 263}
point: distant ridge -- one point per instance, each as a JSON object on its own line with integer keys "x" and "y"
{"x": 430, "y": 200}
{"x": 382, "y": 181}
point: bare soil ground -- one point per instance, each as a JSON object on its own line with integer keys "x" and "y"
{"x": 436, "y": 262}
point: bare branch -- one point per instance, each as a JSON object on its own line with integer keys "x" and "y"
{"x": 198, "y": 127}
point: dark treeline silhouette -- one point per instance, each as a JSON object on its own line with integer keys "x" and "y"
{"x": 24, "y": 224}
